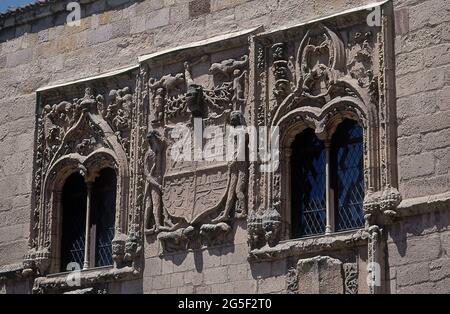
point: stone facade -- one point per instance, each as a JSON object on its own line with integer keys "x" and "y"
{"x": 231, "y": 62}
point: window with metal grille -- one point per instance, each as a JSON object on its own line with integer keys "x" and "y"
{"x": 348, "y": 175}
{"x": 327, "y": 181}
{"x": 73, "y": 221}
{"x": 88, "y": 242}
{"x": 104, "y": 208}
{"x": 308, "y": 185}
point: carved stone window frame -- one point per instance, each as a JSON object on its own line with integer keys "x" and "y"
{"x": 88, "y": 139}
{"x": 290, "y": 89}
{"x": 297, "y": 123}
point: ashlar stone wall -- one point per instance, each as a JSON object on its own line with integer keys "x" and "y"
{"x": 37, "y": 49}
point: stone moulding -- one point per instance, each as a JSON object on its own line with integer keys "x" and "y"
{"x": 88, "y": 278}
{"x": 423, "y": 205}
{"x": 310, "y": 246}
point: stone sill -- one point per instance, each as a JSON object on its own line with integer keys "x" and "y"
{"x": 88, "y": 278}
{"x": 310, "y": 245}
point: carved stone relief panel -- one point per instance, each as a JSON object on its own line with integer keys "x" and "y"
{"x": 194, "y": 188}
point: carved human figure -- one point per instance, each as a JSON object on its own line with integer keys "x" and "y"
{"x": 236, "y": 198}
{"x": 154, "y": 176}
{"x": 238, "y": 89}
{"x": 159, "y": 105}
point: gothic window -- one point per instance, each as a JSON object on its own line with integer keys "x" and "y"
{"x": 88, "y": 241}
{"x": 330, "y": 169}
{"x": 104, "y": 205}
{"x": 308, "y": 185}
{"x": 73, "y": 222}
{"x": 348, "y": 175}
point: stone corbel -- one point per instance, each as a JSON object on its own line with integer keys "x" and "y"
{"x": 381, "y": 207}
{"x": 264, "y": 229}
{"x": 36, "y": 262}
{"x": 215, "y": 234}
{"x": 178, "y": 240}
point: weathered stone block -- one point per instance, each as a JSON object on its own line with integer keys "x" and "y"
{"x": 320, "y": 274}
{"x": 238, "y": 272}
{"x": 199, "y": 7}
{"x": 186, "y": 290}
{"x": 101, "y": 34}
{"x": 179, "y": 13}
{"x": 417, "y": 105}
{"x": 211, "y": 258}
{"x": 19, "y": 57}
{"x": 161, "y": 282}
{"x": 176, "y": 280}
{"x": 423, "y": 288}
{"x": 440, "y": 269}
{"x": 429, "y": 13}
{"x": 193, "y": 277}
{"x": 410, "y": 145}
{"x": 271, "y": 284}
{"x": 215, "y": 275}
{"x": 414, "y": 250}
{"x": 236, "y": 255}
{"x": 416, "y": 166}
{"x": 217, "y": 5}
{"x": 153, "y": 266}
{"x": 439, "y": 139}
{"x": 223, "y": 288}
{"x": 419, "y": 82}
{"x": 138, "y": 24}
{"x": 413, "y": 274}
{"x": 157, "y": 18}
{"x": 424, "y": 186}
{"x": 245, "y": 286}
{"x": 402, "y": 21}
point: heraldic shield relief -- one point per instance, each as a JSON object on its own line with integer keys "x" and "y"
{"x": 195, "y": 182}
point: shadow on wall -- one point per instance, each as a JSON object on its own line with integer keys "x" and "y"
{"x": 236, "y": 251}
{"x": 418, "y": 225}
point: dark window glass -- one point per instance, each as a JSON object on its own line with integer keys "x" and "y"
{"x": 348, "y": 175}
{"x": 73, "y": 222}
{"x": 103, "y": 215}
{"x": 308, "y": 185}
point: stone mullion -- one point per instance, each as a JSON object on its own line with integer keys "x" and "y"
{"x": 330, "y": 219}
{"x": 87, "y": 239}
